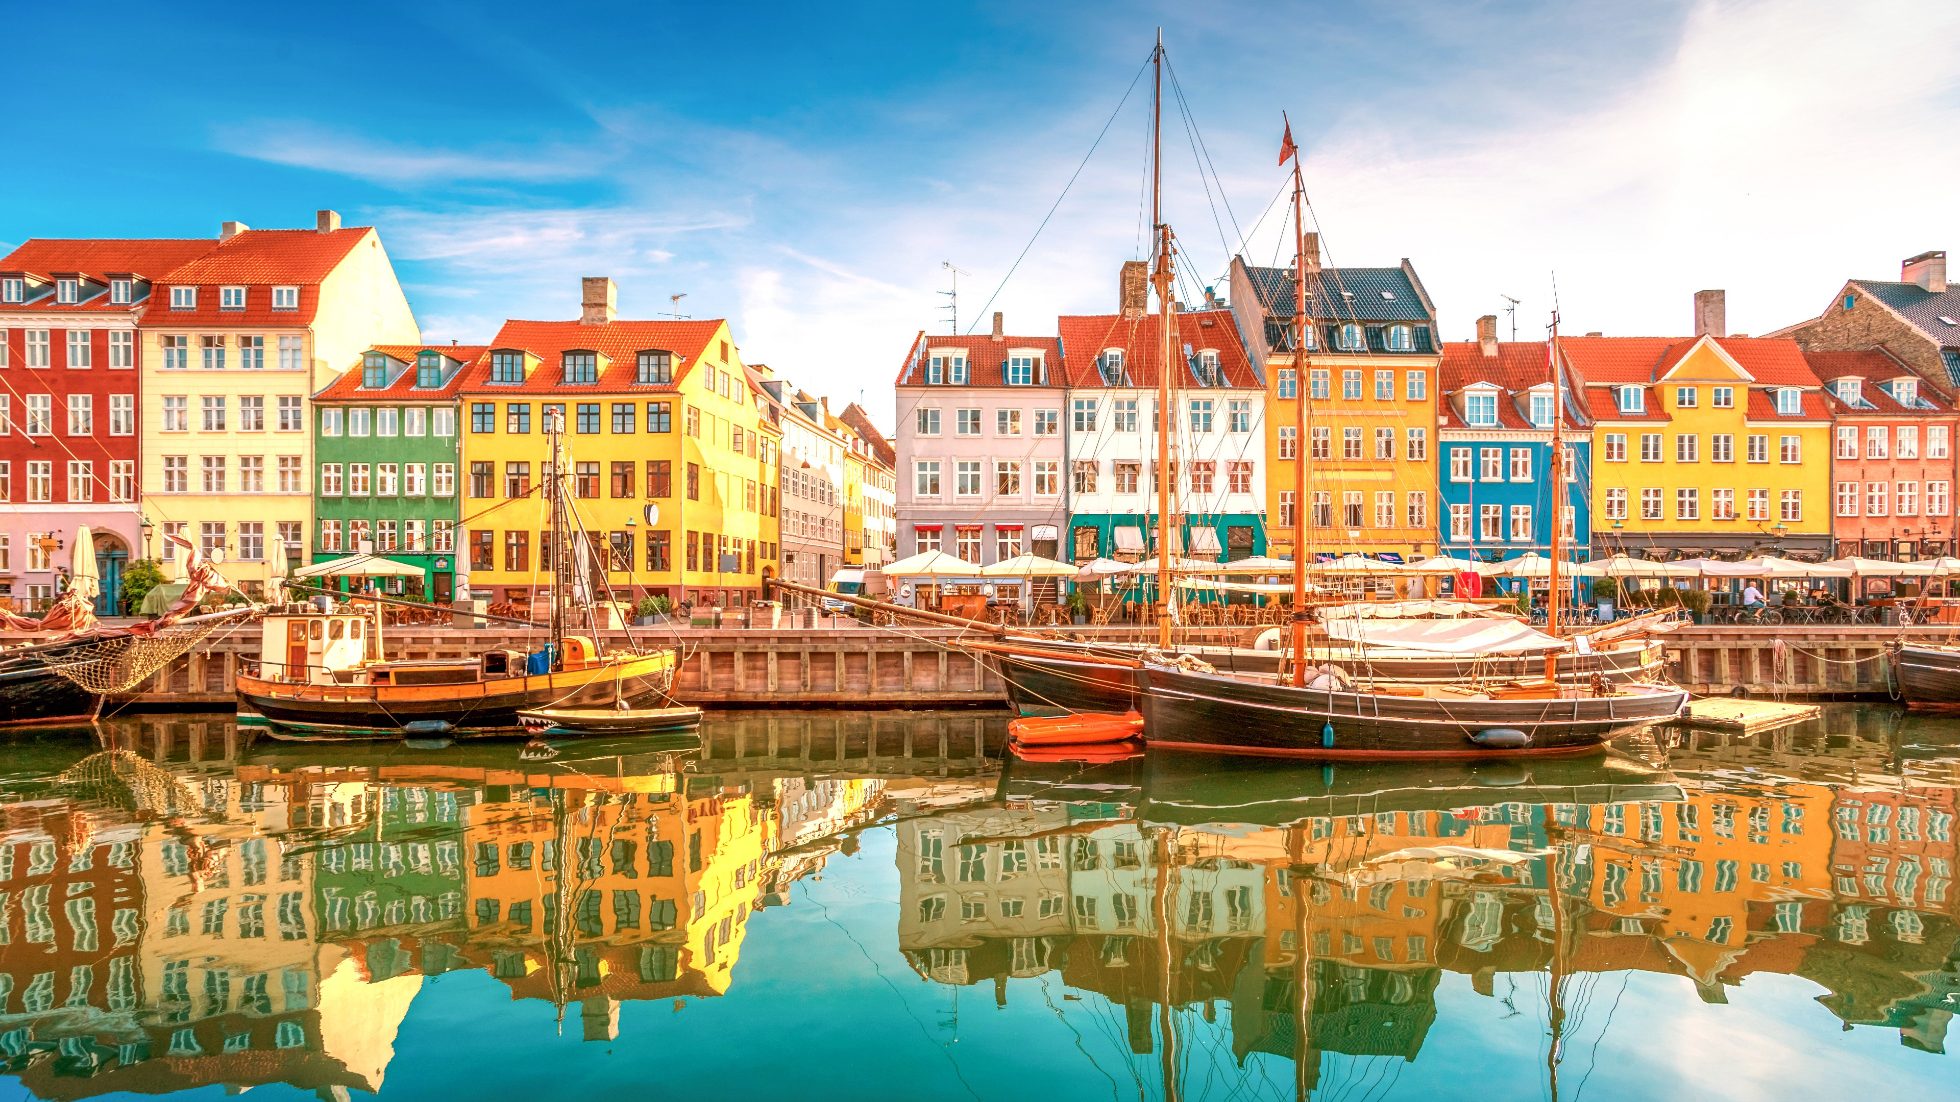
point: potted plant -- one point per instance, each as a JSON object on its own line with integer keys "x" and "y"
{"x": 1696, "y": 602}
{"x": 653, "y": 609}
{"x": 1078, "y": 606}
{"x": 138, "y": 579}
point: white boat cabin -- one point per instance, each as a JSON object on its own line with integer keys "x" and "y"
{"x": 313, "y": 646}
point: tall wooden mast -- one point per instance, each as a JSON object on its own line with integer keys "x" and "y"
{"x": 1553, "y": 598}
{"x": 1161, "y": 276}
{"x": 563, "y": 570}
{"x": 1301, "y": 270}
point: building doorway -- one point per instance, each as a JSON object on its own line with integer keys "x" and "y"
{"x": 111, "y": 559}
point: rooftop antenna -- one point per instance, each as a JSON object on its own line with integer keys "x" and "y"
{"x": 674, "y": 304}
{"x": 1511, "y": 309}
{"x": 952, "y": 306}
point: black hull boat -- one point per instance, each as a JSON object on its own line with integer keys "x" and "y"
{"x": 1049, "y": 683}
{"x": 32, "y": 693}
{"x": 1929, "y": 676}
{"x": 1191, "y": 709}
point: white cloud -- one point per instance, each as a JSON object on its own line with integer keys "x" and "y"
{"x": 300, "y": 145}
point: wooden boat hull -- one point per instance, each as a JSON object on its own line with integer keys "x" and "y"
{"x": 1216, "y": 712}
{"x": 31, "y": 694}
{"x": 609, "y": 721}
{"x": 1048, "y": 685}
{"x": 1929, "y": 676}
{"x": 488, "y": 707}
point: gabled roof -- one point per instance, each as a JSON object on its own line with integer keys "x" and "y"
{"x": 1922, "y": 308}
{"x": 348, "y": 388}
{"x": 1372, "y": 294}
{"x": 1811, "y": 408}
{"x": 98, "y": 259}
{"x": 986, "y": 358}
{"x": 618, "y": 341}
{"x": 1876, "y": 366}
{"x": 271, "y": 257}
{"x": 856, "y": 416}
{"x": 1769, "y": 361}
{"x": 1514, "y": 371}
{"x": 1086, "y": 336}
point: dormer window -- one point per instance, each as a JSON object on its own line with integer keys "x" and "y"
{"x": 1110, "y": 366}
{"x": 67, "y": 291}
{"x": 374, "y": 371}
{"x": 1541, "y": 411}
{"x": 655, "y": 368}
{"x": 428, "y": 370}
{"x": 507, "y": 367}
{"x": 1789, "y": 400}
{"x": 946, "y": 367}
{"x": 1906, "y": 392}
{"x": 1849, "y": 391}
{"x": 231, "y": 298}
{"x": 13, "y": 289}
{"x": 121, "y": 291}
{"x": 581, "y": 368}
{"x": 1633, "y": 399}
{"x": 1401, "y": 338}
{"x": 1208, "y": 371}
{"x": 1021, "y": 368}
{"x": 1349, "y": 338}
{"x": 285, "y": 298}
{"x": 183, "y": 298}
{"x": 1480, "y": 409}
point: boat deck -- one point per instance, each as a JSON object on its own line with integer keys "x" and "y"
{"x": 1744, "y": 716}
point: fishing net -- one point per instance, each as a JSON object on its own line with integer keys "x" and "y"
{"x": 118, "y": 663}
{"x": 132, "y": 782}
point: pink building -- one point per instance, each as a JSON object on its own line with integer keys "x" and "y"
{"x": 1892, "y": 457}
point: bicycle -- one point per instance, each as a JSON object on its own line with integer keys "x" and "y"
{"x": 1756, "y": 616}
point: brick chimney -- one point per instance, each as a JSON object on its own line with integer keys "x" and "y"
{"x": 229, "y": 230}
{"x": 1312, "y": 253}
{"x": 1487, "y": 335}
{"x": 1133, "y": 289}
{"x": 596, "y": 305}
{"x": 326, "y": 221}
{"x": 1928, "y": 270}
{"x": 1711, "y": 313}
{"x": 999, "y": 333}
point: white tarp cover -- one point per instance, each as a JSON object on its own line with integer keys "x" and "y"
{"x": 1203, "y": 541}
{"x": 1129, "y": 540}
{"x": 1275, "y": 589}
{"x": 1467, "y": 638}
{"x": 1414, "y": 610}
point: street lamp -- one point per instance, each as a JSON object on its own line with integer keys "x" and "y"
{"x": 148, "y": 529}
{"x": 631, "y": 597}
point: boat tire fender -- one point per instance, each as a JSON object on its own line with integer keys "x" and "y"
{"x": 1501, "y": 738}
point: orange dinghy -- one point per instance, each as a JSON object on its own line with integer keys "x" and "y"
{"x": 1095, "y": 753}
{"x": 1083, "y": 729}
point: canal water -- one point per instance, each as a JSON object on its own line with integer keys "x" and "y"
{"x": 858, "y": 906}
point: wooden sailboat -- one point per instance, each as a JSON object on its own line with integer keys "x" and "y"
{"x": 326, "y": 675}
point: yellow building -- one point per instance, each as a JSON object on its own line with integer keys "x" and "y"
{"x": 1373, "y": 363}
{"x": 232, "y": 344}
{"x": 856, "y": 458}
{"x": 1705, "y": 445}
{"x": 672, "y": 455}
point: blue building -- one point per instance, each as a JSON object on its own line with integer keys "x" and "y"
{"x": 1496, "y": 474}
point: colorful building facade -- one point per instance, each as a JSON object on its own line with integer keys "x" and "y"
{"x": 672, "y": 452}
{"x": 1892, "y": 459}
{"x": 1705, "y": 446}
{"x": 1372, "y": 367}
{"x": 980, "y": 446}
{"x": 1500, "y": 486}
{"x": 232, "y": 344}
{"x": 69, "y": 431}
{"x": 388, "y": 454}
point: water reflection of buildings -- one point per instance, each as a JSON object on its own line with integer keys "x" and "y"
{"x": 173, "y": 917}
{"x": 1847, "y": 886}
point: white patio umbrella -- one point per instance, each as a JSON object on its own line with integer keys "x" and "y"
{"x": 1102, "y": 568}
{"x": 359, "y": 566}
{"x": 1772, "y": 566}
{"x": 1352, "y": 563}
{"x": 1879, "y": 568}
{"x": 1533, "y": 565}
{"x": 1946, "y": 564}
{"x": 1178, "y": 566}
{"x": 83, "y": 576}
{"x": 1444, "y": 564}
{"x": 1028, "y": 566}
{"x": 932, "y": 564}
{"x": 1625, "y": 565}
{"x": 1258, "y": 564}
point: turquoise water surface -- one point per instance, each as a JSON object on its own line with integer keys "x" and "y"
{"x": 864, "y": 906}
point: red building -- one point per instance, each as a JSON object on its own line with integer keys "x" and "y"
{"x": 69, "y": 382}
{"x": 1892, "y": 456}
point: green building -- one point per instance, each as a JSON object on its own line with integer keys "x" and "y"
{"x": 388, "y": 451}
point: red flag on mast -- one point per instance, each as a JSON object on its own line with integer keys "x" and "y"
{"x": 1286, "y": 147}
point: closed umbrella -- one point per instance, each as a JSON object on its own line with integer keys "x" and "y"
{"x": 84, "y": 578}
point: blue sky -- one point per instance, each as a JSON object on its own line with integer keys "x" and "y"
{"x": 804, "y": 170}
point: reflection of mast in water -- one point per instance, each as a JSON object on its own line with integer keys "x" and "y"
{"x": 1166, "y": 1018}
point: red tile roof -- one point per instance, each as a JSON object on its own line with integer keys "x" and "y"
{"x": 986, "y": 358}
{"x": 1876, "y": 366}
{"x": 1603, "y": 403}
{"x": 1517, "y": 367}
{"x": 1762, "y": 408}
{"x": 1770, "y": 361}
{"x": 1084, "y": 337}
{"x": 347, "y": 388}
{"x": 98, "y": 259}
{"x": 617, "y": 341}
{"x": 272, "y": 257}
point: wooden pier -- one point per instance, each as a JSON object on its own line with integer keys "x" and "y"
{"x": 847, "y": 665}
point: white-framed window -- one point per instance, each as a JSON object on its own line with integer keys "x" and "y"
{"x": 251, "y": 352}
{"x": 1758, "y": 448}
{"x": 1021, "y": 369}
{"x": 443, "y": 480}
{"x": 925, "y": 421}
{"x": 1460, "y": 522}
{"x": 212, "y": 406}
{"x": 1758, "y": 504}
{"x": 1616, "y": 447}
{"x": 231, "y": 298}
{"x": 1650, "y": 503}
{"x": 37, "y": 348}
{"x": 67, "y": 290}
{"x": 1791, "y": 450}
{"x": 1384, "y": 384}
{"x": 387, "y": 421}
{"x": 289, "y": 469}
{"x": 251, "y": 541}
{"x": 40, "y": 415}
{"x": 1417, "y": 449}
{"x": 1905, "y": 499}
{"x": 1520, "y": 524}
{"x": 292, "y": 354}
{"x": 968, "y": 422}
{"x": 415, "y": 480}
{"x": 176, "y": 351}
{"x": 1791, "y": 506}
{"x": 1047, "y": 477}
{"x": 1480, "y": 409}
{"x": 1351, "y": 443}
{"x": 1460, "y": 461}
{"x": 1007, "y": 422}
{"x": 1082, "y": 416}
{"x": 285, "y": 298}
{"x": 1687, "y": 448}
{"x": 1385, "y": 508}
{"x": 122, "y": 481}
{"x": 122, "y": 349}
{"x": 1686, "y": 397}
{"x": 387, "y": 479}
{"x": 442, "y": 422}
{"x": 251, "y": 474}
{"x": 81, "y": 480}
{"x": 925, "y": 478}
{"x": 211, "y": 350}
{"x": 1877, "y": 441}
{"x": 1650, "y": 447}
{"x": 1123, "y": 415}
{"x": 81, "y": 349}
{"x": 1007, "y": 478}
{"x": 1687, "y": 503}
{"x": 1721, "y": 504}
{"x": 1418, "y": 385}
{"x": 1048, "y": 422}
{"x": 183, "y": 298}
{"x": 81, "y": 415}
{"x": 1878, "y": 499}
{"x": 1632, "y": 399}
{"x": 1521, "y": 464}
{"x": 359, "y": 479}
{"x": 1238, "y": 415}
{"x": 1541, "y": 411}
{"x": 121, "y": 291}
{"x": 1419, "y": 509}
{"x": 1722, "y": 397}
{"x": 1384, "y": 443}
{"x": 1905, "y": 442}
{"x": 1939, "y": 441}
{"x": 1789, "y": 401}
{"x": 212, "y": 470}
{"x": 359, "y": 419}
{"x": 1847, "y": 499}
{"x": 1938, "y": 498}
{"x": 1490, "y": 522}
{"x": 13, "y": 289}
{"x": 176, "y": 476}
{"x": 1490, "y": 464}
{"x": 251, "y": 413}
{"x": 40, "y": 483}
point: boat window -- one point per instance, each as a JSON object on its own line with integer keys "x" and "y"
{"x": 313, "y": 630}
{"x": 338, "y": 629}
{"x": 355, "y": 629}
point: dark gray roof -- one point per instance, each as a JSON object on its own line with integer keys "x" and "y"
{"x": 1373, "y": 294}
{"x": 1921, "y": 307}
